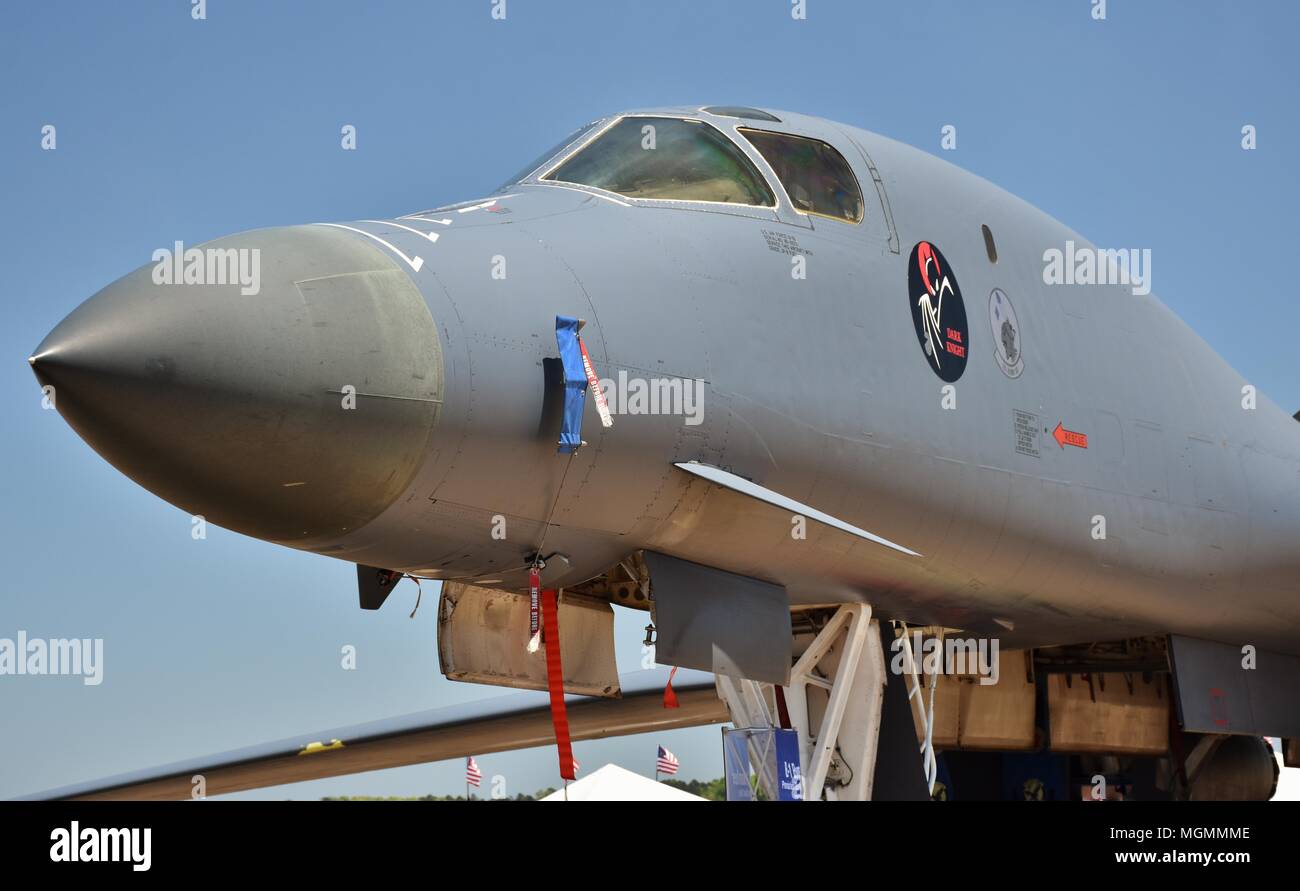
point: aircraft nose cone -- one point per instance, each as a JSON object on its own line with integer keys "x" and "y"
{"x": 285, "y": 387}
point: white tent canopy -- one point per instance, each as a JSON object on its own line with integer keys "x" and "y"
{"x": 614, "y": 783}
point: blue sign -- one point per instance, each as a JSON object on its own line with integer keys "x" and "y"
{"x": 789, "y": 776}
{"x": 766, "y": 755}
{"x": 735, "y": 765}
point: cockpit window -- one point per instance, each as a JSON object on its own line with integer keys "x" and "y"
{"x": 667, "y": 158}
{"x": 742, "y": 111}
{"x": 815, "y": 175}
{"x": 553, "y": 151}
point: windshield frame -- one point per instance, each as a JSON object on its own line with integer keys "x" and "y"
{"x": 766, "y": 211}
{"x": 558, "y": 153}
{"x": 771, "y": 172}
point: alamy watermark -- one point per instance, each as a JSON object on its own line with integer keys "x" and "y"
{"x": 57, "y": 656}
{"x": 210, "y": 266}
{"x": 78, "y": 844}
{"x": 1097, "y": 266}
{"x": 655, "y": 396}
{"x": 977, "y": 656}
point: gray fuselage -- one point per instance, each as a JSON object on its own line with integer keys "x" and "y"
{"x": 814, "y": 387}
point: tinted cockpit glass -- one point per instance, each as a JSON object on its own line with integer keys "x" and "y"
{"x": 667, "y": 158}
{"x": 815, "y": 175}
{"x": 553, "y": 151}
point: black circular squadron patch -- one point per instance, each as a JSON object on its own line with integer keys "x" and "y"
{"x": 937, "y": 311}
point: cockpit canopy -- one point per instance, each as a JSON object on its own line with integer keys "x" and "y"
{"x": 665, "y": 158}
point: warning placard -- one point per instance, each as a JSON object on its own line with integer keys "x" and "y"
{"x": 1026, "y": 429}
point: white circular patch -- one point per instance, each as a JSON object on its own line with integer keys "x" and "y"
{"x": 1007, "y": 348}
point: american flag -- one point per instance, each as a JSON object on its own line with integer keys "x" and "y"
{"x": 473, "y": 776}
{"x": 666, "y": 762}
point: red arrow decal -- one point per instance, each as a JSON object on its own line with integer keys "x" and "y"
{"x": 1065, "y": 437}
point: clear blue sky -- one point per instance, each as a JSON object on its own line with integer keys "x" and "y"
{"x": 171, "y": 129}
